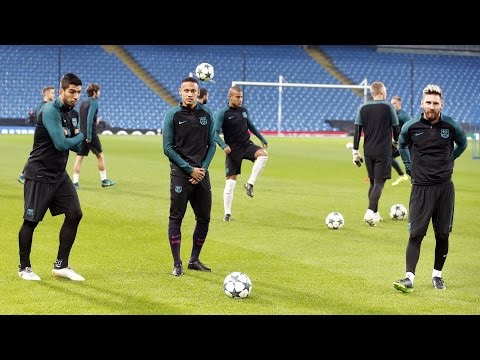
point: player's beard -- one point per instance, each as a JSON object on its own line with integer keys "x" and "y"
{"x": 432, "y": 115}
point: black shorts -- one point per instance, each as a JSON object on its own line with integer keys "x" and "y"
{"x": 58, "y": 197}
{"x": 95, "y": 146}
{"x": 233, "y": 161}
{"x": 379, "y": 167}
{"x": 199, "y": 196}
{"x": 435, "y": 202}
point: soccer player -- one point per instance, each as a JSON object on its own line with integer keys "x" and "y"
{"x": 429, "y": 145}
{"x": 48, "y": 93}
{"x": 47, "y": 184}
{"x": 203, "y": 96}
{"x": 189, "y": 144}
{"x": 379, "y": 122}
{"x": 88, "y": 125}
{"x": 234, "y": 121}
{"x": 402, "y": 119}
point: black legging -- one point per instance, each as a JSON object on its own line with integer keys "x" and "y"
{"x": 68, "y": 232}
{"x": 374, "y": 193}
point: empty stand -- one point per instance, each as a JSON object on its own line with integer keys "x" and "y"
{"x": 127, "y": 102}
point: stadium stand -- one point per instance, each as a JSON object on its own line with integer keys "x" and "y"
{"x": 406, "y": 74}
{"x": 129, "y": 103}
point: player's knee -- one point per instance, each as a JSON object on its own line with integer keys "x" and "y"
{"x": 261, "y": 152}
{"x": 203, "y": 220}
{"x": 416, "y": 238}
{"x": 442, "y": 238}
{"x": 30, "y": 224}
{"x": 230, "y": 185}
{"x": 74, "y": 216}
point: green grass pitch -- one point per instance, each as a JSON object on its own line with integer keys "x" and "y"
{"x": 278, "y": 238}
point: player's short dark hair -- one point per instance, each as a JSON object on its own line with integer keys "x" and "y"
{"x": 70, "y": 79}
{"x": 91, "y": 88}
{"x": 396, "y": 97}
{"x": 203, "y": 92}
{"x": 190, "y": 79}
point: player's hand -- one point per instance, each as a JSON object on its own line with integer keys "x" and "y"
{"x": 394, "y": 144}
{"x": 357, "y": 157}
{"x": 198, "y": 174}
{"x": 227, "y": 150}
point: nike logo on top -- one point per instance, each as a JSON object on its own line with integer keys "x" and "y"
{"x": 416, "y": 134}
{"x": 230, "y": 117}
{"x": 181, "y": 122}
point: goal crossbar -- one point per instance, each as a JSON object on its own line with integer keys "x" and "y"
{"x": 284, "y": 84}
{"x": 281, "y": 84}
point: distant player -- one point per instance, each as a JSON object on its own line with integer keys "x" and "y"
{"x": 378, "y": 120}
{"x": 402, "y": 119}
{"x": 203, "y": 96}
{"x": 48, "y": 93}
{"x": 234, "y": 121}
{"x": 88, "y": 125}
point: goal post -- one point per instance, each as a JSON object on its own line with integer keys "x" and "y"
{"x": 282, "y": 83}
{"x": 475, "y": 145}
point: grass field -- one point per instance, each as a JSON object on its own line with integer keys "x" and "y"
{"x": 297, "y": 265}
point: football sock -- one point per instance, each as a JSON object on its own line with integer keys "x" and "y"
{"x": 228, "y": 195}
{"x": 369, "y": 213}
{"x": 103, "y": 175}
{"x": 410, "y": 275}
{"x": 75, "y": 178}
{"x": 374, "y": 194}
{"x": 25, "y": 237}
{"x": 68, "y": 232}
{"x": 258, "y": 166}
{"x": 175, "y": 240}
{"x": 436, "y": 273}
{"x": 199, "y": 236}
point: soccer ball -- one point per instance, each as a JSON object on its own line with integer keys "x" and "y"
{"x": 204, "y": 72}
{"x": 398, "y": 212}
{"x": 237, "y": 285}
{"x": 349, "y": 145}
{"x": 335, "y": 220}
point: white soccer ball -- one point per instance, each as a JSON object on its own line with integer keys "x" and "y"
{"x": 237, "y": 285}
{"x": 349, "y": 145}
{"x": 335, "y": 220}
{"x": 204, "y": 71}
{"x": 398, "y": 212}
